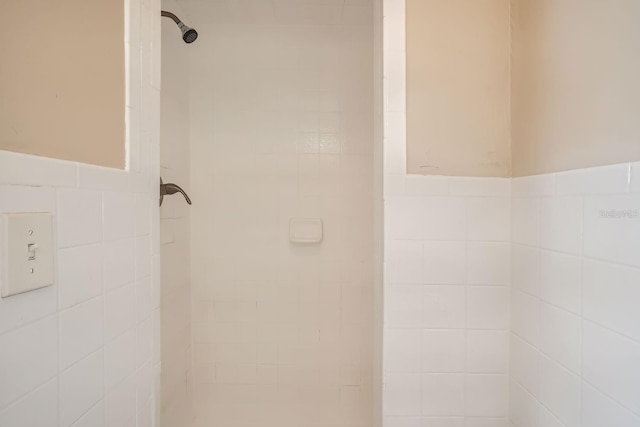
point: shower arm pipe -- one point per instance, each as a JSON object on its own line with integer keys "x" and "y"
{"x": 170, "y": 15}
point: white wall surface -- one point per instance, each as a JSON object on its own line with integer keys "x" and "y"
{"x": 575, "y": 328}
{"x": 281, "y": 113}
{"x": 177, "y": 398}
{"x": 446, "y": 302}
{"x": 86, "y": 351}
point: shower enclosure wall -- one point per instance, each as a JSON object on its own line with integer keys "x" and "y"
{"x": 280, "y": 123}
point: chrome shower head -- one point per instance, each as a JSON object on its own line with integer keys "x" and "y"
{"x": 189, "y": 35}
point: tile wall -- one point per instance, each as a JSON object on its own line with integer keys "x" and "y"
{"x": 568, "y": 302}
{"x": 575, "y": 326}
{"x": 446, "y": 304}
{"x": 85, "y": 351}
{"x": 177, "y": 398}
{"x": 281, "y": 127}
{"x": 447, "y": 274}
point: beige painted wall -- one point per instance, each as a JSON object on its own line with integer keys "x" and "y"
{"x": 62, "y": 89}
{"x": 576, "y": 84}
{"x": 458, "y": 87}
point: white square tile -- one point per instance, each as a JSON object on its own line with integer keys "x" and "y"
{"x": 488, "y": 263}
{"x": 560, "y": 280}
{"x": 402, "y": 350}
{"x": 612, "y": 228}
{"x": 395, "y": 146}
{"x": 80, "y": 331}
{"x": 143, "y": 257}
{"x": 118, "y": 263}
{"x": 119, "y": 216}
{"x": 22, "y": 413}
{"x": 560, "y": 336}
{"x": 143, "y": 214}
{"x": 525, "y": 365}
{"x": 394, "y": 74}
{"x": 443, "y": 422}
{"x": 81, "y": 387}
{"x": 561, "y": 224}
{"x": 599, "y": 410}
{"x": 444, "y": 263}
{"x": 611, "y": 295}
{"x": 143, "y": 298}
{"x": 23, "y": 366}
{"x": 443, "y": 307}
{"x": 79, "y": 274}
{"x": 610, "y": 363}
{"x": 93, "y": 418}
{"x": 533, "y": 186}
{"x": 443, "y": 218}
{"x": 476, "y": 186}
{"x": 101, "y": 178}
{"x": 525, "y": 221}
{"x": 548, "y": 419}
{"x": 402, "y": 395}
{"x": 560, "y": 392}
{"x": 24, "y": 308}
{"x": 427, "y": 185}
{"x": 487, "y": 351}
{"x": 525, "y": 269}
{"x": 119, "y": 358}
{"x": 443, "y": 351}
{"x": 404, "y": 261}
{"x": 23, "y": 169}
{"x": 120, "y": 403}
{"x": 487, "y": 422}
{"x": 144, "y": 382}
{"x": 442, "y": 394}
{"x": 600, "y": 180}
{"x": 394, "y": 24}
{"x": 635, "y": 177}
{"x": 487, "y": 395}
{"x": 15, "y": 199}
{"x": 157, "y": 336}
{"x": 489, "y": 219}
{"x": 120, "y": 311}
{"x": 525, "y": 316}
{"x": 487, "y": 307}
{"x": 404, "y": 217}
{"x": 79, "y": 217}
{"x": 524, "y": 409}
{"x": 145, "y": 341}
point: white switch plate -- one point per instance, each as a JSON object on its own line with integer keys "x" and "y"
{"x": 27, "y": 253}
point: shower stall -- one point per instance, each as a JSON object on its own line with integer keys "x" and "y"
{"x": 268, "y": 125}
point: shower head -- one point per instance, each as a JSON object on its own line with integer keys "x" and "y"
{"x": 189, "y": 35}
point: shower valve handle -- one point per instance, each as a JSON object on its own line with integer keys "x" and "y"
{"x": 169, "y": 189}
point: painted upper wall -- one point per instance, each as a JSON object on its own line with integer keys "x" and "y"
{"x": 62, "y": 80}
{"x": 576, "y": 85}
{"x": 458, "y": 84}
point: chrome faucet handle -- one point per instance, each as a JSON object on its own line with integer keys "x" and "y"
{"x": 169, "y": 189}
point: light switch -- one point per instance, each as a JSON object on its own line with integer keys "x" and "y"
{"x": 27, "y": 253}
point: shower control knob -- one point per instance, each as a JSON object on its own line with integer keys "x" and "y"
{"x": 169, "y": 189}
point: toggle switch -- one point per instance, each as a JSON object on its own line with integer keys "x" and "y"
{"x": 27, "y": 252}
{"x": 31, "y": 250}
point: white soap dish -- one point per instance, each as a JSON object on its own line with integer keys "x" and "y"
{"x": 305, "y": 230}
